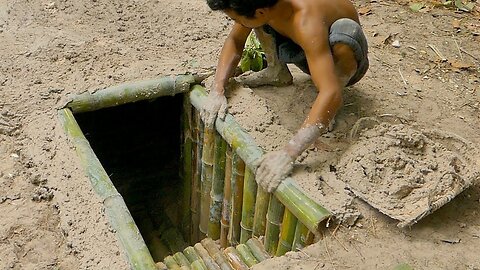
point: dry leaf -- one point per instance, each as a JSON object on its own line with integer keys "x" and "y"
{"x": 364, "y": 11}
{"x": 461, "y": 65}
{"x": 456, "y": 23}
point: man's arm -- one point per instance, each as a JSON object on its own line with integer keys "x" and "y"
{"x": 229, "y": 58}
{"x": 275, "y": 166}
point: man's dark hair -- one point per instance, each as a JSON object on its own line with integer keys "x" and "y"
{"x": 245, "y": 8}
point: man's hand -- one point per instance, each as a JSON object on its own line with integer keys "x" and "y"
{"x": 273, "y": 169}
{"x": 216, "y": 104}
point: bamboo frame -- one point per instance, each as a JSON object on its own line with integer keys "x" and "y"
{"x": 287, "y": 233}
{"x": 181, "y": 259}
{"x": 274, "y": 220}
{"x": 187, "y": 175}
{"x": 196, "y": 184}
{"x": 191, "y": 254}
{"x": 206, "y": 179}
{"x": 238, "y": 171}
{"x": 302, "y": 238}
{"x": 216, "y": 194}
{"x": 226, "y": 205}
{"x": 303, "y": 207}
{"x": 246, "y": 255}
{"x": 209, "y": 261}
{"x": 130, "y": 92}
{"x": 261, "y": 208}
{"x": 235, "y": 259}
{"x": 117, "y": 212}
{"x": 257, "y": 249}
{"x": 170, "y": 262}
{"x": 198, "y": 265}
{"x": 216, "y": 254}
{"x": 248, "y": 206}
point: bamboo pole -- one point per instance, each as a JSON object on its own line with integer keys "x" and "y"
{"x": 304, "y": 208}
{"x": 209, "y": 261}
{"x": 196, "y": 184}
{"x": 206, "y": 179}
{"x": 257, "y": 249}
{"x": 171, "y": 263}
{"x": 216, "y": 254}
{"x": 238, "y": 171}
{"x": 261, "y": 208}
{"x": 161, "y": 266}
{"x": 248, "y": 206}
{"x": 216, "y": 194}
{"x": 235, "y": 259}
{"x": 302, "y": 238}
{"x": 199, "y": 265}
{"x": 181, "y": 259}
{"x": 130, "y": 92}
{"x": 274, "y": 220}
{"x": 287, "y": 233}
{"x": 187, "y": 168}
{"x": 246, "y": 255}
{"x": 117, "y": 212}
{"x": 191, "y": 254}
{"x": 226, "y": 205}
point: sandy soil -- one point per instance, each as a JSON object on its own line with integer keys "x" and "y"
{"x": 50, "y": 217}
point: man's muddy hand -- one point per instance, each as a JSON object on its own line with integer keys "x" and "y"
{"x": 273, "y": 169}
{"x": 215, "y": 104}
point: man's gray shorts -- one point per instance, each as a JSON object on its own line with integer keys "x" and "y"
{"x": 344, "y": 30}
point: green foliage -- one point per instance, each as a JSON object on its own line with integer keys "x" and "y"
{"x": 252, "y": 57}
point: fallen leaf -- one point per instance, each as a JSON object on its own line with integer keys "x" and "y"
{"x": 464, "y": 7}
{"x": 461, "y": 65}
{"x": 364, "y": 11}
{"x": 456, "y": 23}
{"x": 416, "y": 6}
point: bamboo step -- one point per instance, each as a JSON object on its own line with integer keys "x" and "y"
{"x": 207, "y": 255}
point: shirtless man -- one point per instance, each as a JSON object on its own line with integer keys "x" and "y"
{"x": 322, "y": 37}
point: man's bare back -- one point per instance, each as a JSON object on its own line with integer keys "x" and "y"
{"x": 321, "y": 37}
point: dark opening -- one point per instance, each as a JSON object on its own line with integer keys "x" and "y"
{"x": 138, "y": 144}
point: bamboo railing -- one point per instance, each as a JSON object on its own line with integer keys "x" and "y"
{"x": 220, "y": 197}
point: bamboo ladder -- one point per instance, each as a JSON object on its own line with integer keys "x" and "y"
{"x": 221, "y": 199}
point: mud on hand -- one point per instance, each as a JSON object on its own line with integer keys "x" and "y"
{"x": 273, "y": 169}
{"x": 215, "y": 104}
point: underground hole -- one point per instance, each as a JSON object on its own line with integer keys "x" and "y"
{"x": 138, "y": 144}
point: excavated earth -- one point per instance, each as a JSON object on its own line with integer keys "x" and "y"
{"x": 424, "y": 75}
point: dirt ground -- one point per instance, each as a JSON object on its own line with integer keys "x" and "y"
{"x": 424, "y": 69}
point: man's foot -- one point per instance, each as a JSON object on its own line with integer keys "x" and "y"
{"x": 275, "y": 76}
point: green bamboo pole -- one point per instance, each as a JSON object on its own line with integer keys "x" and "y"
{"x": 201, "y": 133}
{"x": 287, "y": 233}
{"x": 171, "y": 263}
{"x": 199, "y": 265}
{"x": 257, "y": 249}
{"x": 161, "y": 266}
{"x": 130, "y": 92}
{"x": 216, "y": 195}
{"x": 238, "y": 172}
{"x": 304, "y": 208}
{"x": 209, "y": 261}
{"x": 274, "y": 220}
{"x": 216, "y": 254}
{"x": 301, "y": 238}
{"x": 181, "y": 259}
{"x": 248, "y": 206}
{"x": 246, "y": 255}
{"x": 261, "y": 208}
{"x": 117, "y": 212}
{"x": 235, "y": 259}
{"x": 196, "y": 184}
{"x": 191, "y": 254}
{"x": 227, "y": 203}
{"x": 206, "y": 179}
{"x": 187, "y": 168}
